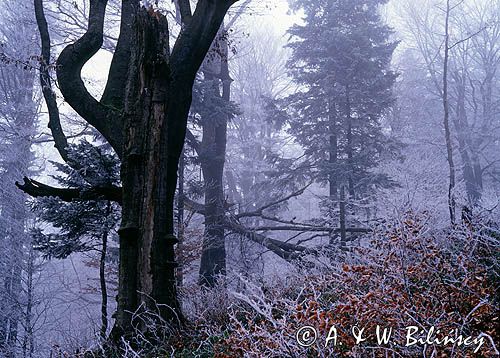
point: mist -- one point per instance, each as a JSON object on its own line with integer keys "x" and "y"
{"x": 220, "y": 178}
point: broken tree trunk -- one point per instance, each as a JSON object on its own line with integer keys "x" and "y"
{"x": 142, "y": 115}
{"x": 147, "y": 261}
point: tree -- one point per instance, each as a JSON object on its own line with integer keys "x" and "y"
{"x": 83, "y": 226}
{"x": 462, "y": 73}
{"x": 474, "y": 63}
{"x": 446, "y": 117}
{"x": 142, "y": 115}
{"x": 211, "y": 112}
{"x": 212, "y": 109}
{"x": 254, "y": 139}
{"x": 341, "y": 59}
{"x": 260, "y": 78}
{"x": 18, "y": 120}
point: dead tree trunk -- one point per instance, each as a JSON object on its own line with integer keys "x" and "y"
{"x": 156, "y": 108}
{"x": 146, "y": 233}
{"x": 143, "y": 115}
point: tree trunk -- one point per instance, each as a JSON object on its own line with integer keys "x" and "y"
{"x": 213, "y": 257}
{"x": 343, "y": 234}
{"x": 21, "y": 113}
{"x": 28, "y": 339}
{"x": 180, "y": 217}
{"x": 102, "y": 280}
{"x": 463, "y": 135}
{"x": 446, "y": 121}
{"x": 149, "y": 168}
{"x": 332, "y": 160}
{"x": 349, "y": 148}
{"x": 333, "y": 152}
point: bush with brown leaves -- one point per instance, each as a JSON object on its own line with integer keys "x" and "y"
{"x": 404, "y": 274}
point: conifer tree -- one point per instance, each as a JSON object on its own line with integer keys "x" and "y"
{"x": 340, "y": 59}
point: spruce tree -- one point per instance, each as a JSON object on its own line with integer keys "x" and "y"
{"x": 341, "y": 58}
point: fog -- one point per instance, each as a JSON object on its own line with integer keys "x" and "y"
{"x": 247, "y": 178}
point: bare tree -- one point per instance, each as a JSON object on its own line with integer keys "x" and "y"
{"x": 461, "y": 65}
{"x": 18, "y": 119}
{"x": 446, "y": 118}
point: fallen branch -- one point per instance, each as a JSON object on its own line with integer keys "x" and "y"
{"x": 286, "y": 251}
{"x": 310, "y": 228}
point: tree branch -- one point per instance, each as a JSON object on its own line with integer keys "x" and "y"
{"x": 184, "y": 9}
{"x": 309, "y": 229}
{"x": 60, "y": 141}
{"x": 467, "y": 38}
{"x": 259, "y": 211}
{"x": 114, "y": 93}
{"x": 195, "y": 40}
{"x": 37, "y": 189}
{"x": 286, "y": 251}
{"x": 193, "y": 142}
{"x": 240, "y": 11}
{"x": 193, "y": 206}
{"x": 69, "y": 66}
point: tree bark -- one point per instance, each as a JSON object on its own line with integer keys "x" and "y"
{"x": 147, "y": 264}
{"x": 156, "y": 110}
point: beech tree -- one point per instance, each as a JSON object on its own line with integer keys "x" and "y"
{"x": 142, "y": 115}
{"x": 211, "y": 110}
{"x": 463, "y": 76}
